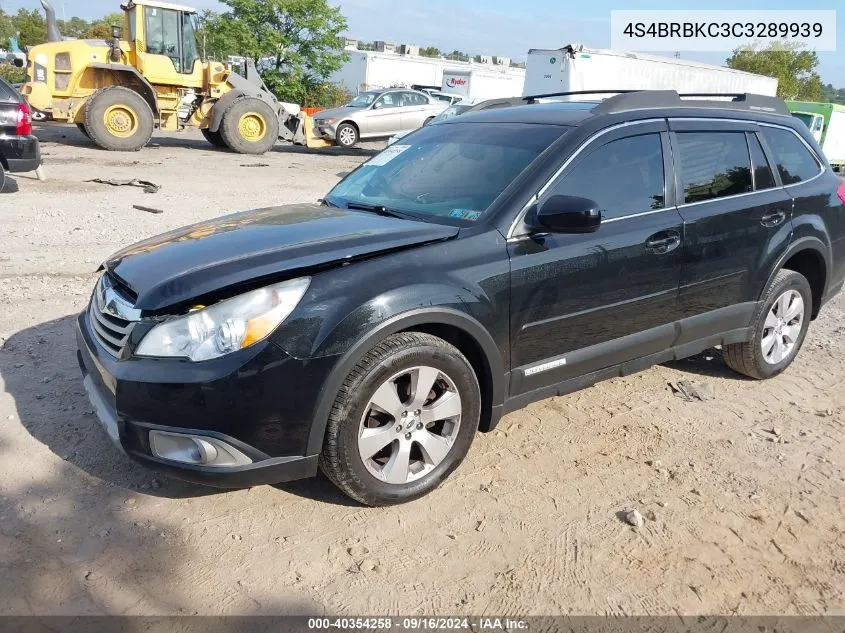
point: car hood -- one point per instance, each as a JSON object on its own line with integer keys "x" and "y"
{"x": 202, "y": 258}
{"x": 339, "y": 113}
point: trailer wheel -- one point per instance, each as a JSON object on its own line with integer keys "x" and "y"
{"x": 119, "y": 119}
{"x": 213, "y": 137}
{"x": 249, "y": 126}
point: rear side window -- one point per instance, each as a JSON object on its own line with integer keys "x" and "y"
{"x": 763, "y": 177}
{"x": 624, "y": 177}
{"x": 713, "y": 165}
{"x": 794, "y": 161}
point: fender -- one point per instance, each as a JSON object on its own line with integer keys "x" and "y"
{"x": 220, "y": 108}
{"x": 803, "y": 244}
{"x": 398, "y": 323}
{"x": 146, "y": 88}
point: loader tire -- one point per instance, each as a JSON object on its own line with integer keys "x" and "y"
{"x": 119, "y": 119}
{"x": 249, "y": 126}
{"x": 213, "y": 137}
{"x": 81, "y": 128}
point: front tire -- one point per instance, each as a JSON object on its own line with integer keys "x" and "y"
{"x": 404, "y": 419}
{"x": 778, "y": 330}
{"x": 249, "y": 126}
{"x": 346, "y": 135}
{"x": 81, "y": 128}
{"x": 119, "y": 119}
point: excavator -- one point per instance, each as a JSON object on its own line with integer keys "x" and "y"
{"x": 149, "y": 75}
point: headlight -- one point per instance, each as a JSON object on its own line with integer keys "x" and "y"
{"x": 325, "y": 121}
{"x": 226, "y": 326}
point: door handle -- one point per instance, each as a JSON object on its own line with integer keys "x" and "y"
{"x": 773, "y": 219}
{"x": 663, "y": 242}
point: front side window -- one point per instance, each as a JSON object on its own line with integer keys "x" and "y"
{"x": 794, "y": 161}
{"x": 390, "y": 100}
{"x": 452, "y": 171}
{"x": 623, "y": 177}
{"x": 190, "y": 54}
{"x": 713, "y": 165}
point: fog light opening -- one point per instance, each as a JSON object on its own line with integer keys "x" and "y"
{"x": 194, "y": 449}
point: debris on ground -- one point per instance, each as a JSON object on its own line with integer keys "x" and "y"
{"x": 146, "y": 185}
{"x": 147, "y": 209}
{"x": 633, "y": 517}
{"x": 690, "y": 390}
{"x": 255, "y": 164}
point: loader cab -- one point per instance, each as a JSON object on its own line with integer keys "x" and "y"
{"x": 163, "y": 44}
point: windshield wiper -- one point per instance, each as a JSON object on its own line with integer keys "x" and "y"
{"x": 378, "y": 208}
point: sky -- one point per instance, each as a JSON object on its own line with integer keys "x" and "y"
{"x": 496, "y": 27}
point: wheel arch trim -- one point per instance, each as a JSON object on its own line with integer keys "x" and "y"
{"x": 807, "y": 243}
{"x": 399, "y": 323}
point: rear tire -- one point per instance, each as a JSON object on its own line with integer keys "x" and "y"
{"x": 249, "y": 126}
{"x": 778, "y": 329}
{"x": 2, "y": 178}
{"x": 81, "y": 128}
{"x": 119, "y": 119}
{"x": 346, "y": 135}
{"x": 215, "y": 138}
{"x": 388, "y": 441}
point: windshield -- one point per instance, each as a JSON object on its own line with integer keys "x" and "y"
{"x": 807, "y": 119}
{"x": 452, "y": 172}
{"x": 363, "y": 100}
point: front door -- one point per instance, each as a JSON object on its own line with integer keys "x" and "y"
{"x": 584, "y": 302}
{"x": 385, "y": 116}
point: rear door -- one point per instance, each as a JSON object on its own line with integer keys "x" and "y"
{"x": 736, "y": 221}
{"x": 583, "y": 302}
{"x": 10, "y": 101}
{"x": 414, "y": 110}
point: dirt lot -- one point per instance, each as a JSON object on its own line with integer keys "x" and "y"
{"x": 744, "y": 495}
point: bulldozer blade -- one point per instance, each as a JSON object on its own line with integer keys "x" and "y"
{"x": 312, "y": 140}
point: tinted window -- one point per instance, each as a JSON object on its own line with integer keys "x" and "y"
{"x": 624, "y": 176}
{"x": 763, "y": 177}
{"x": 163, "y": 34}
{"x": 713, "y": 165}
{"x": 795, "y": 162}
{"x": 453, "y": 171}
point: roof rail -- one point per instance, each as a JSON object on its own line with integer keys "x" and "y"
{"x": 645, "y": 99}
{"x": 624, "y": 100}
{"x": 533, "y": 98}
{"x": 497, "y": 103}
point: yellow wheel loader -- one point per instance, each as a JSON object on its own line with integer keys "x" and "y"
{"x": 149, "y": 74}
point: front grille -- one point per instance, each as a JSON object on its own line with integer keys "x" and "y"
{"x": 112, "y": 315}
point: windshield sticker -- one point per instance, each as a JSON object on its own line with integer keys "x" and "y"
{"x": 465, "y": 214}
{"x": 387, "y": 155}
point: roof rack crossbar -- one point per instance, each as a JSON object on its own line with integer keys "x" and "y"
{"x": 531, "y": 98}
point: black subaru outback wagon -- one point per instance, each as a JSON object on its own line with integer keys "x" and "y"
{"x": 480, "y": 264}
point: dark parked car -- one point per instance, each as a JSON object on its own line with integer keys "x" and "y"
{"x": 489, "y": 261}
{"x": 19, "y": 150}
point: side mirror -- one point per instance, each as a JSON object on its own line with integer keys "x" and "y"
{"x": 18, "y": 62}
{"x": 116, "y": 32}
{"x": 378, "y": 105}
{"x": 569, "y": 214}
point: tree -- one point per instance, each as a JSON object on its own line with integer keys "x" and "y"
{"x": 7, "y": 29}
{"x": 75, "y": 27}
{"x": 98, "y": 31}
{"x": 458, "y": 56}
{"x": 304, "y": 36}
{"x": 31, "y": 27}
{"x": 430, "y": 51}
{"x": 794, "y": 68}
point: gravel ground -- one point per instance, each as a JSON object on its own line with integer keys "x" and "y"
{"x": 741, "y": 497}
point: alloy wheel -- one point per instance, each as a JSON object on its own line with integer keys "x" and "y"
{"x": 409, "y": 425}
{"x": 782, "y": 327}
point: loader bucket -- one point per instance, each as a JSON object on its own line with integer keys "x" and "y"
{"x": 312, "y": 140}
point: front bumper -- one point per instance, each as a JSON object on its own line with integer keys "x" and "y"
{"x": 20, "y": 153}
{"x": 325, "y": 131}
{"x": 259, "y": 402}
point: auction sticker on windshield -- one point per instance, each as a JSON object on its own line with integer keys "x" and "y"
{"x": 387, "y": 155}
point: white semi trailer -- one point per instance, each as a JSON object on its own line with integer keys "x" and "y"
{"x": 575, "y": 68}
